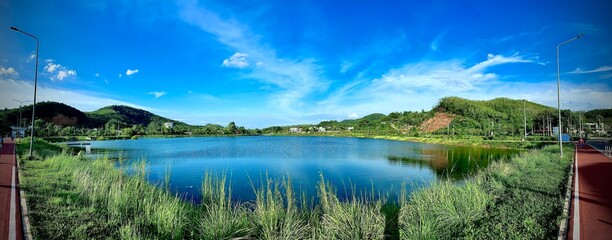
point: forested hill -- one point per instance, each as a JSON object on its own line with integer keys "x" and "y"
{"x": 500, "y": 116}
{"x": 63, "y": 115}
{"x": 126, "y": 115}
{"x": 498, "y": 108}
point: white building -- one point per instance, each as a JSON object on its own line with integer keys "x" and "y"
{"x": 169, "y": 125}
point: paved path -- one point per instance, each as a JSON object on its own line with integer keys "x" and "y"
{"x": 592, "y": 219}
{"x": 10, "y": 212}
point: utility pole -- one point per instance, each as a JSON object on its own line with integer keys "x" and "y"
{"x": 20, "y": 104}
{"x": 35, "y": 83}
{"x": 559, "y": 94}
{"x": 524, "y": 120}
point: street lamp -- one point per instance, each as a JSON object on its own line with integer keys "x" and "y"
{"x": 20, "y": 103}
{"x": 35, "y": 82}
{"x": 559, "y": 95}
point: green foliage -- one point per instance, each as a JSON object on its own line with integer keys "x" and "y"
{"x": 492, "y": 204}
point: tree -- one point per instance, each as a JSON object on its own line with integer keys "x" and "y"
{"x": 231, "y": 128}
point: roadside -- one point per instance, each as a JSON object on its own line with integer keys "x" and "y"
{"x": 592, "y": 206}
{"x": 10, "y": 214}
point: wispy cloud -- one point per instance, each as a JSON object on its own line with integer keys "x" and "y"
{"x": 292, "y": 79}
{"x": 57, "y": 71}
{"x": 8, "y": 71}
{"x": 436, "y": 42}
{"x": 157, "y": 94}
{"x": 130, "y": 72}
{"x": 97, "y": 74}
{"x": 597, "y": 70}
{"x": 238, "y": 60}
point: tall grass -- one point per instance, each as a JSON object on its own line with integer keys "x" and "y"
{"x": 520, "y": 198}
{"x": 358, "y": 218}
{"x": 220, "y": 218}
{"x": 443, "y": 210}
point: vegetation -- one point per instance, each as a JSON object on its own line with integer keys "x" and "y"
{"x": 59, "y": 120}
{"x": 497, "y": 119}
{"x": 73, "y": 197}
{"x": 518, "y": 199}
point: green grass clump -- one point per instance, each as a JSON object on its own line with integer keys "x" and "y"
{"x": 442, "y": 210}
{"x": 220, "y": 218}
{"x": 359, "y": 217}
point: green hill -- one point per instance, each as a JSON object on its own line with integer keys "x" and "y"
{"x": 126, "y": 115}
{"x": 496, "y": 117}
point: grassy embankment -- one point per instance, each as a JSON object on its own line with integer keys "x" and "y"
{"x": 72, "y": 197}
{"x": 476, "y": 141}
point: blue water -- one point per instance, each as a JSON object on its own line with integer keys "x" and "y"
{"x": 361, "y": 163}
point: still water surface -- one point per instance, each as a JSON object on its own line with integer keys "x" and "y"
{"x": 362, "y": 163}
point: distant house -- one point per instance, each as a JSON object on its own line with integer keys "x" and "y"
{"x": 596, "y": 127}
{"x": 169, "y": 125}
{"x": 350, "y": 128}
{"x": 321, "y": 129}
{"x": 295, "y": 130}
{"x": 18, "y": 132}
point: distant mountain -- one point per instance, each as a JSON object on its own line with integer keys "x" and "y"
{"x": 57, "y": 113}
{"x": 64, "y": 115}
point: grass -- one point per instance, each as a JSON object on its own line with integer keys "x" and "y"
{"x": 518, "y": 199}
{"x": 71, "y": 197}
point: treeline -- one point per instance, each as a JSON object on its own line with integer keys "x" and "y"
{"x": 58, "y": 119}
{"x": 500, "y": 117}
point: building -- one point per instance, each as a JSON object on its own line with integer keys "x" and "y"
{"x": 295, "y": 130}
{"x": 169, "y": 125}
{"x": 321, "y": 129}
{"x": 18, "y": 132}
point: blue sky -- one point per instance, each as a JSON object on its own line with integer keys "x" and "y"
{"x": 286, "y": 62}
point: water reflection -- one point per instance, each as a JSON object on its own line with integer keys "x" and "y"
{"x": 454, "y": 163}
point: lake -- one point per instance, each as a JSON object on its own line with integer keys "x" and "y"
{"x": 349, "y": 163}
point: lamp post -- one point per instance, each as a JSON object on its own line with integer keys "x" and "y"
{"x": 524, "y": 121}
{"x": 559, "y": 95}
{"x": 20, "y": 103}
{"x": 35, "y": 83}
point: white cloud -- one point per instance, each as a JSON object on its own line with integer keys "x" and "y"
{"x": 120, "y": 75}
{"x": 597, "y": 70}
{"x": 448, "y": 76}
{"x": 157, "y": 94}
{"x": 238, "y": 60}
{"x": 353, "y": 116}
{"x": 31, "y": 57}
{"x": 97, "y": 74}
{"x": 420, "y": 85}
{"x": 51, "y": 67}
{"x": 131, "y": 72}
{"x": 63, "y": 74}
{"x": 85, "y": 101}
{"x": 57, "y": 71}
{"x": 8, "y": 71}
